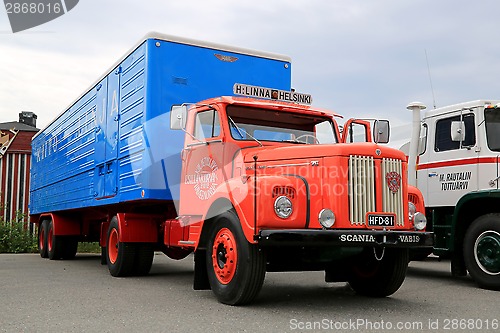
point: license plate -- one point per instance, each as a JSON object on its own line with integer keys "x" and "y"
{"x": 378, "y": 220}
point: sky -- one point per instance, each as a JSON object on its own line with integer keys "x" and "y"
{"x": 358, "y": 58}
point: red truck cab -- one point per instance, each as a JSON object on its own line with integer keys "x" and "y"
{"x": 273, "y": 186}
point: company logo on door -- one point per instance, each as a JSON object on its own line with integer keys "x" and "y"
{"x": 204, "y": 179}
{"x": 26, "y": 14}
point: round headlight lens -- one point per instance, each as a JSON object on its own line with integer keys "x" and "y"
{"x": 283, "y": 207}
{"x": 412, "y": 209}
{"x": 419, "y": 221}
{"x": 326, "y": 218}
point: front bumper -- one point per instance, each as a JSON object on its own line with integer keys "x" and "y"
{"x": 345, "y": 238}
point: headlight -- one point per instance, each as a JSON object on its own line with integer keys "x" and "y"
{"x": 419, "y": 221}
{"x": 412, "y": 209}
{"x": 283, "y": 207}
{"x": 326, "y": 218}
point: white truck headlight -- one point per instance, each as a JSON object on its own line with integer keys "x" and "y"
{"x": 326, "y": 218}
{"x": 419, "y": 221}
{"x": 283, "y": 207}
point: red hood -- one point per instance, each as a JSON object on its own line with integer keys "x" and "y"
{"x": 294, "y": 151}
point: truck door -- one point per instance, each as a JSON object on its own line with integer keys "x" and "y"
{"x": 203, "y": 163}
{"x": 450, "y": 166}
{"x": 356, "y": 130}
{"x": 107, "y": 120}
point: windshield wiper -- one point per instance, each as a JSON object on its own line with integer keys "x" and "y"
{"x": 241, "y": 134}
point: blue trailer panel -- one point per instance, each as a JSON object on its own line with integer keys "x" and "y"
{"x": 114, "y": 144}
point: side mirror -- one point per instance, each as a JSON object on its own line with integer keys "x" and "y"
{"x": 381, "y": 131}
{"x": 457, "y": 131}
{"x": 178, "y": 115}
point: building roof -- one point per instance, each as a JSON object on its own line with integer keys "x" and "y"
{"x": 18, "y": 126}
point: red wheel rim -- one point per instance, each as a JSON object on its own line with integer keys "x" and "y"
{"x": 113, "y": 246}
{"x": 224, "y": 256}
{"x": 41, "y": 239}
{"x": 49, "y": 239}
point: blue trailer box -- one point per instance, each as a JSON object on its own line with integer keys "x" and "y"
{"x": 114, "y": 143}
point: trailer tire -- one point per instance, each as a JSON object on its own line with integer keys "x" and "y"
{"x": 379, "y": 278}
{"x": 103, "y": 255}
{"x": 55, "y": 246}
{"x": 482, "y": 251}
{"x": 42, "y": 239}
{"x": 120, "y": 256}
{"x": 236, "y": 269}
{"x": 144, "y": 253}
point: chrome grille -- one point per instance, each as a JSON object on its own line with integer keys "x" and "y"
{"x": 363, "y": 191}
{"x": 361, "y": 188}
{"x": 393, "y": 201}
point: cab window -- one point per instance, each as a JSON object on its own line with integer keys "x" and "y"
{"x": 492, "y": 118}
{"x": 207, "y": 125}
{"x": 444, "y": 141}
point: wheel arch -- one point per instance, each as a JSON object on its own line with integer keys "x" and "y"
{"x": 470, "y": 207}
{"x": 219, "y": 206}
{"x": 62, "y": 225}
{"x": 135, "y": 228}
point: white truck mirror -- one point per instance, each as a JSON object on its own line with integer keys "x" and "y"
{"x": 422, "y": 140}
{"x": 178, "y": 117}
{"x": 457, "y": 131}
{"x": 381, "y": 131}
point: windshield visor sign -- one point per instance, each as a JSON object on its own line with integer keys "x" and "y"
{"x": 274, "y": 94}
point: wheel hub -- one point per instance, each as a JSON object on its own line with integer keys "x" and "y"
{"x": 113, "y": 246}
{"x": 487, "y": 252}
{"x": 224, "y": 256}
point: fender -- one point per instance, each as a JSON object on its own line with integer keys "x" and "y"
{"x": 467, "y": 210}
{"x": 241, "y": 197}
{"x": 416, "y": 197}
{"x": 62, "y": 225}
{"x": 138, "y": 228}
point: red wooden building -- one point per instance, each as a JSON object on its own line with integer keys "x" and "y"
{"x": 15, "y": 162}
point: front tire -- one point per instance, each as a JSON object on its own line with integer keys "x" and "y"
{"x": 236, "y": 269}
{"x": 379, "y": 278}
{"x": 482, "y": 251}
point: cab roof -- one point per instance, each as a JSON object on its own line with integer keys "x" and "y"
{"x": 270, "y": 104}
{"x": 456, "y": 107}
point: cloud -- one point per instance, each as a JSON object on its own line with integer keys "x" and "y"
{"x": 359, "y": 58}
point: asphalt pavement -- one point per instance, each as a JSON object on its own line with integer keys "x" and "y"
{"x": 39, "y": 295}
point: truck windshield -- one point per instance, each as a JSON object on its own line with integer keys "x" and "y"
{"x": 249, "y": 123}
{"x": 492, "y": 119}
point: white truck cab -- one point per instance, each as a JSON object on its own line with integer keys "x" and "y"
{"x": 454, "y": 157}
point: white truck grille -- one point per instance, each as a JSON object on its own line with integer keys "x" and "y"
{"x": 363, "y": 189}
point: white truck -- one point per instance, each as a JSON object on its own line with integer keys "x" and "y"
{"x": 454, "y": 159}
